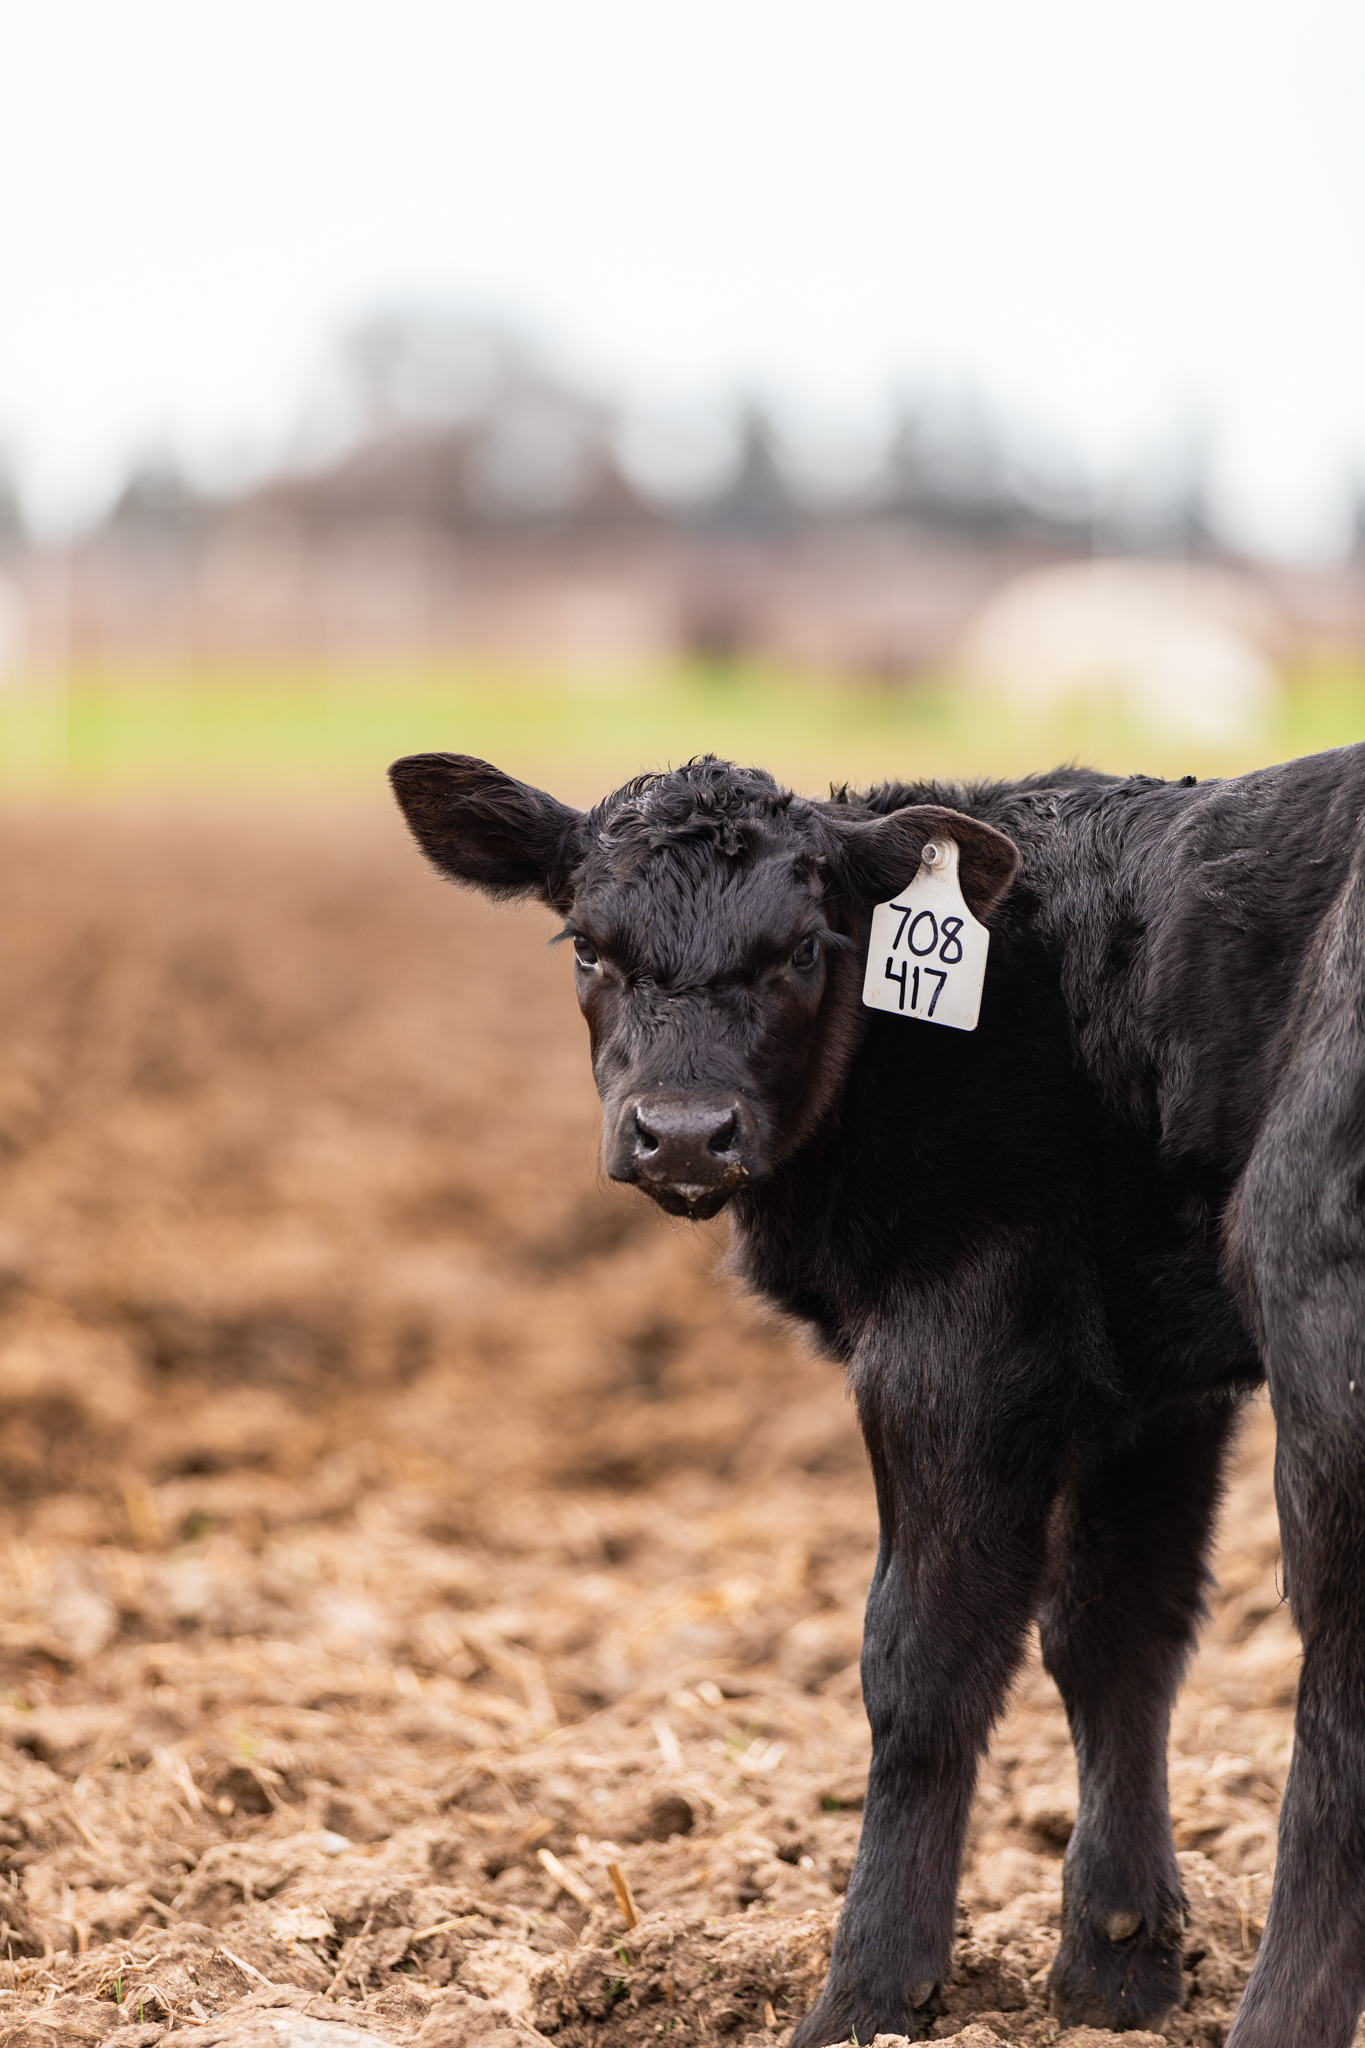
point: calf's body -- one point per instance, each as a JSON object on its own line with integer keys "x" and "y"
{"x": 1053, "y": 1255}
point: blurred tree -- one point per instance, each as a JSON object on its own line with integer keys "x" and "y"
{"x": 13, "y": 527}
{"x": 756, "y": 501}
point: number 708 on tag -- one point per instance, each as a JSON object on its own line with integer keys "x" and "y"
{"x": 926, "y": 953}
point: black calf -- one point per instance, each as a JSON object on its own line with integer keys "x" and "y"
{"x": 1053, "y": 1254}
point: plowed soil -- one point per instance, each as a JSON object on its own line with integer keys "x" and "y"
{"x": 402, "y": 1528}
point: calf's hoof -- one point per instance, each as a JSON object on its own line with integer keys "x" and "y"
{"x": 1117, "y": 1973}
{"x": 845, "y": 2016}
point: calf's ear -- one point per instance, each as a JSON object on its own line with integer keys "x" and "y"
{"x": 877, "y": 856}
{"x": 482, "y": 827}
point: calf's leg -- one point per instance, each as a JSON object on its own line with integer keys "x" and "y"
{"x": 1124, "y": 1599}
{"x": 1296, "y": 1238}
{"x": 964, "y": 1488}
{"x": 1308, "y": 1986}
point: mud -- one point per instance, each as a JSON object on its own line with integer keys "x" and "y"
{"x": 402, "y": 1528}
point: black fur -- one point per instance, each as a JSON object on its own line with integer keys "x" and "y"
{"x": 1053, "y": 1254}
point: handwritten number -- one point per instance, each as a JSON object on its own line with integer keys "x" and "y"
{"x": 945, "y": 940}
{"x": 915, "y": 924}
{"x": 904, "y": 974}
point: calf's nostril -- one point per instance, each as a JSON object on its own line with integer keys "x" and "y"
{"x": 721, "y": 1140}
{"x": 646, "y": 1141}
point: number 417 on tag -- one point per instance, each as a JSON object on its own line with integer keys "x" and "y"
{"x": 926, "y": 954}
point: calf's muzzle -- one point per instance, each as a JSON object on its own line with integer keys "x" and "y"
{"x": 688, "y": 1150}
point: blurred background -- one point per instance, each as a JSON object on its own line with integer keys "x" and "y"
{"x": 937, "y": 387}
{"x": 903, "y": 388}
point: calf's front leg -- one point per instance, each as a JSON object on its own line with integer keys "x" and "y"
{"x": 964, "y": 1484}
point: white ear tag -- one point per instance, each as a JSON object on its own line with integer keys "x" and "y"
{"x": 926, "y": 957}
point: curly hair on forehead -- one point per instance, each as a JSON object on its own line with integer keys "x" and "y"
{"x": 705, "y": 802}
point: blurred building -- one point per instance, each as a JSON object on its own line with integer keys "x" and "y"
{"x": 456, "y": 498}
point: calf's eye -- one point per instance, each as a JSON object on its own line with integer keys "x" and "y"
{"x": 585, "y": 952}
{"x": 807, "y": 953}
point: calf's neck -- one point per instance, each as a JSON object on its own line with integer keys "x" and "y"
{"x": 1053, "y": 1254}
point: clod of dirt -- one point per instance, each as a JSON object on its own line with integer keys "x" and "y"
{"x": 65, "y": 2023}
{"x": 460, "y": 2020}
{"x": 357, "y": 1819}
{"x": 1048, "y": 1812}
{"x": 18, "y": 1935}
{"x": 287, "y": 2030}
{"x": 1100, "y": 2037}
{"x": 666, "y": 1814}
{"x": 983, "y": 1982}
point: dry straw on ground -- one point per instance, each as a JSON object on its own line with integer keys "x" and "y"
{"x": 404, "y": 1532}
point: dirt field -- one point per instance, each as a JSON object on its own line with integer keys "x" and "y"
{"x": 402, "y": 1528}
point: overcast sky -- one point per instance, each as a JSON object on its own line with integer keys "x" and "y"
{"x": 1117, "y": 219}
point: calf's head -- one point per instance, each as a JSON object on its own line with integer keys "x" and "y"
{"x": 718, "y": 925}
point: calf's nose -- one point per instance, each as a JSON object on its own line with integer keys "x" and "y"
{"x": 686, "y": 1150}
{"x": 671, "y": 1138}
